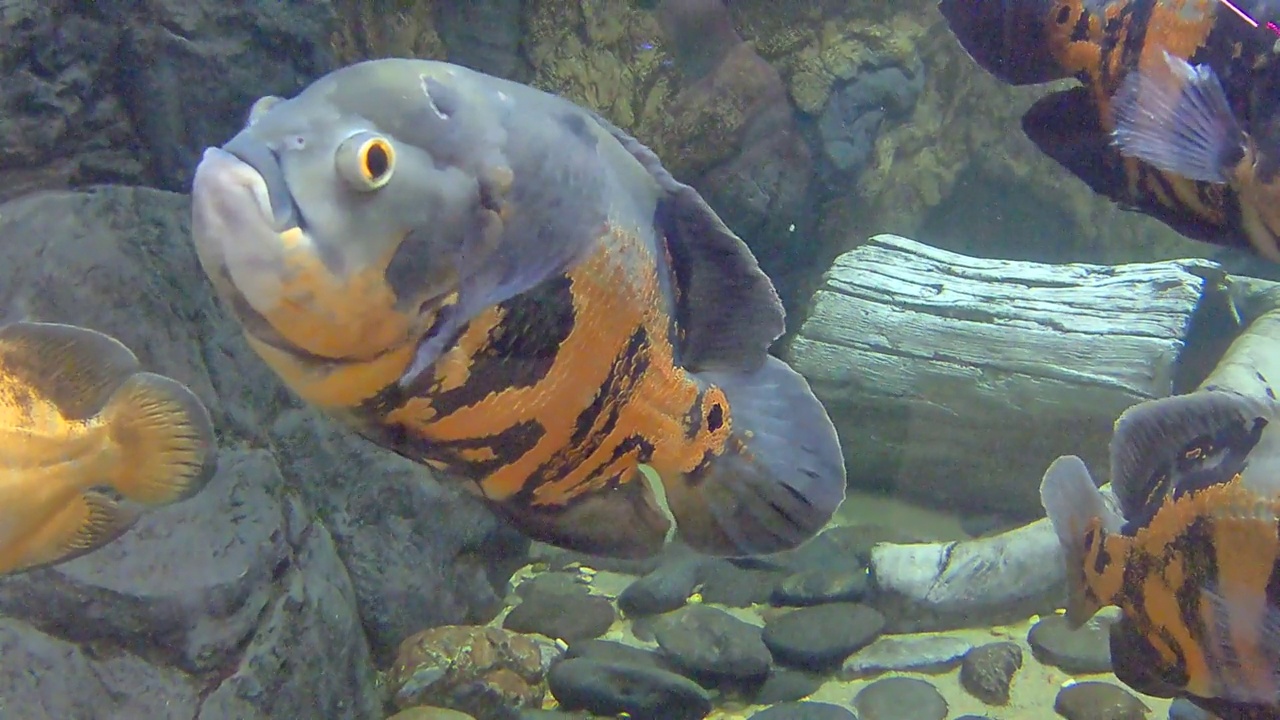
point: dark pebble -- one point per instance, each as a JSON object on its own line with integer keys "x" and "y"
{"x": 804, "y": 711}
{"x": 914, "y": 652}
{"x": 822, "y": 636}
{"x": 610, "y": 651}
{"x": 552, "y": 582}
{"x": 847, "y": 542}
{"x": 1085, "y": 651}
{"x": 724, "y": 583}
{"x": 786, "y": 685}
{"x": 611, "y": 689}
{"x": 569, "y": 613}
{"x": 1098, "y": 701}
{"x": 818, "y": 586}
{"x": 551, "y": 715}
{"x": 664, "y": 589}
{"x": 708, "y": 641}
{"x": 987, "y": 671}
{"x": 898, "y": 698}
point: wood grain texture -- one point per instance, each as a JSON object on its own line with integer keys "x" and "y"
{"x": 955, "y": 380}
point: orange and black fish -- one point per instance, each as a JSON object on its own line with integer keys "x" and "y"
{"x": 87, "y": 441}
{"x": 1104, "y": 43}
{"x": 499, "y": 284}
{"x": 1192, "y": 554}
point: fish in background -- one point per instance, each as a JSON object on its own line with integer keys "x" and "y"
{"x": 1192, "y": 554}
{"x": 1176, "y": 117}
{"x": 1120, "y": 141}
{"x": 503, "y": 286}
{"x": 87, "y": 441}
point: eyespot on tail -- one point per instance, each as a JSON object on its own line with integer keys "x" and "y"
{"x": 166, "y": 440}
{"x": 1176, "y": 117}
{"x": 779, "y": 480}
{"x": 1075, "y": 507}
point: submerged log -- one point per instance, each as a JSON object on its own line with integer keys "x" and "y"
{"x": 954, "y": 381}
{"x": 1005, "y": 578}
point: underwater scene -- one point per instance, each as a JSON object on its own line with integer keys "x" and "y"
{"x": 662, "y": 360}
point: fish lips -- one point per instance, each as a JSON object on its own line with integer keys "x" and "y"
{"x": 238, "y": 233}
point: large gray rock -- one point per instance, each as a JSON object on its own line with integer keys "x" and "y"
{"x": 271, "y": 592}
{"x": 114, "y": 91}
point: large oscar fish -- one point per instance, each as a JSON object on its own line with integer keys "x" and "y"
{"x": 497, "y": 283}
{"x": 1129, "y": 132}
{"x": 1192, "y": 554}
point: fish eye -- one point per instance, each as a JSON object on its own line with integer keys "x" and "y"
{"x": 261, "y": 106}
{"x": 366, "y": 161}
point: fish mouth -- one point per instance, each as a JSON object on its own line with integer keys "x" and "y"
{"x": 243, "y": 221}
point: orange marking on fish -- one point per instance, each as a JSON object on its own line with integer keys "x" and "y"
{"x": 350, "y": 318}
{"x": 615, "y": 292}
{"x": 454, "y": 369}
{"x": 481, "y": 454}
{"x": 1179, "y": 27}
{"x": 1187, "y": 191}
{"x": 1243, "y": 547}
{"x": 1246, "y": 547}
{"x": 338, "y": 385}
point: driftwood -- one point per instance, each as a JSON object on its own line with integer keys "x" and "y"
{"x": 934, "y": 586}
{"x": 955, "y": 380}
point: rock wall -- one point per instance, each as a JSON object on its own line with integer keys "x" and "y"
{"x": 272, "y": 593}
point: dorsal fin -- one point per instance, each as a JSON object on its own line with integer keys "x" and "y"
{"x": 1167, "y": 447}
{"x": 727, "y": 307}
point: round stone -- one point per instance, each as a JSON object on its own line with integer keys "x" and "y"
{"x": 897, "y": 698}
{"x": 822, "y": 636}
{"x": 610, "y": 689}
{"x": 1098, "y": 701}
{"x": 987, "y": 671}
{"x": 804, "y": 711}
{"x": 707, "y": 641}
{"x": 1085, "y": 651}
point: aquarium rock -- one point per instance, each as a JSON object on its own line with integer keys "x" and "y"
{"x": 271, "y": 592}
{"x": 855, "y": 111}
{"x": 133, "y": 92}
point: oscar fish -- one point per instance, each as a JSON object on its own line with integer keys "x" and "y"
{"x": 499, "y": 284}
{"x": 1191, "y": 555}
{"x": 1103, "y": 43}
{"x": 1176, "y": 117}
{"x": 87, "y": 441}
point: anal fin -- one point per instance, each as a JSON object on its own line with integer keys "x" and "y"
{"x": 86, "y": 523}
{"x": 622, "y": 520}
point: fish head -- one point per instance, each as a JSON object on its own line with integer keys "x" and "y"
{"x": 338, "y": 223}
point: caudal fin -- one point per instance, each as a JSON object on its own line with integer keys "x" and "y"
{"x": 780, "y": 478}
{"x": 165, "y": 437}
{"x": 1073, "y": 502}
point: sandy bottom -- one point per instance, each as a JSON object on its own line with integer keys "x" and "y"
{"x": 1034, "y": 688}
